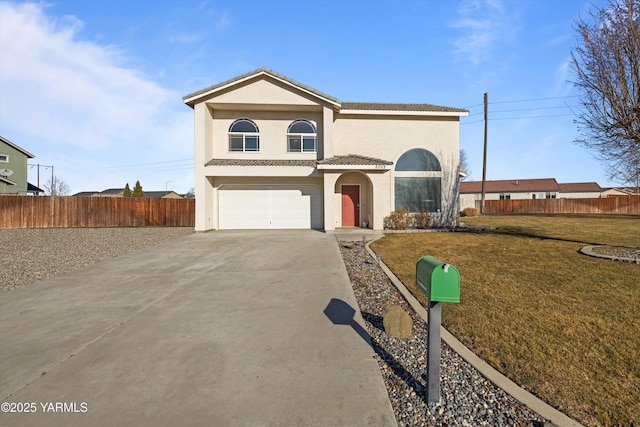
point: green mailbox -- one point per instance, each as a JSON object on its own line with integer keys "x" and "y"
{"x": 441, "y": 283}
{"x": 438, "y": 280}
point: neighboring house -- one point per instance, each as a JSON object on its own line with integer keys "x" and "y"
{"x": 111, "y": 192}
{"x": 580, "y": 190}
{"x": 519, "y": 189}
{"x": 13, "y": 169}
{"x": 620, "y": 191}
{"x": 271, "y": 152}
{"x": 511, "y": 189}
{"x": 119, "y": 192}
{"x": 87, "y": 194}
{"x": 162, "y": 195}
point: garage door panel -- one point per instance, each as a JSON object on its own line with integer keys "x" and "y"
{"x": 276, "y": 206}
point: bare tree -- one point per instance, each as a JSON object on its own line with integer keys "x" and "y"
{"x": 464, "y": 165}
{"x": 58, "y": 187}
{"x": 606, "y": 64}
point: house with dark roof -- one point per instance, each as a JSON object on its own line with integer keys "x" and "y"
{"x": 13, "y": 169}
{"x": 271, "y": 152}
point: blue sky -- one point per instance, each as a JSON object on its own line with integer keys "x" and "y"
{"x": 95, "y": 87}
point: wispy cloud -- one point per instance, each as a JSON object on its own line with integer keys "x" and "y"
{"x": 483, "y": 25}
{"x": 72, "y": 98}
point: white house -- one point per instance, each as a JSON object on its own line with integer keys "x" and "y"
{"x": 580, "y": 190}
{"x": 271, "y": 152}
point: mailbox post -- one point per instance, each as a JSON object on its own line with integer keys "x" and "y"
{"x": 441, "y": 283}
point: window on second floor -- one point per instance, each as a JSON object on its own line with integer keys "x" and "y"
{"x": 302, "y": 137}
{"x": 244, "y": 136}
{"x": 4, "y": 157}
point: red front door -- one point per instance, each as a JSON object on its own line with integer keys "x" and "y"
{"x": 350, "y": 205}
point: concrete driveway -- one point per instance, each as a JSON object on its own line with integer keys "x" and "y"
{"x": 217, "y": 329}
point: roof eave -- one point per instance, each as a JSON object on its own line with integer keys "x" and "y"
{"x": 22, "y": 150}
{"x": 192, "y": 98}
{"x": 377, "y": 167}
{"x": 404, "y": 113}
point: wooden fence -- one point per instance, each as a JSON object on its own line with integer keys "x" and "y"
{"x": 69, "y": 211}
{"x": 609, "y": 205}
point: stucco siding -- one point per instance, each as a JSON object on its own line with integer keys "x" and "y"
{"x": 272, "y": 126}
{"x": 388, "y": 137}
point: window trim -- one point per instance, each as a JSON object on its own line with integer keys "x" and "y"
{"x": 6, "y": 158}
{"x": 244, "y": 136}
{"x": 424, "y": 174}
{"x": 302, "y": 137}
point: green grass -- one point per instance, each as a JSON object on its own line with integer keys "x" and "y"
{"x": 562, "y": 325}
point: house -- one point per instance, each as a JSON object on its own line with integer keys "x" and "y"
{"x": 509, "y": 189}
{"x": 162, "y": 195}
{"x": 519, "y": 189}
{"x": 13, "y": 169}
{"x": 87, "y": 194}
{"x": 580, "y": 190}
{"x": 620, "y": 191}
{"x": 271, "y": 152}
{"x": 119, "y": 192}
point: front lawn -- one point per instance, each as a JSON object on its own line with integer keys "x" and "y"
{"x": 562, "y": 325}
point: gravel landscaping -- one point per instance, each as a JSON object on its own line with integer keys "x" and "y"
{"x": 29, "y": 255}
{"x": 467, "y": 398}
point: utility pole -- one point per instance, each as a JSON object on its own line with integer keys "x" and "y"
{"x": 484, "y": 160}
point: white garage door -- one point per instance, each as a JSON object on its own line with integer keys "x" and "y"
{"x": 269, "y": 206}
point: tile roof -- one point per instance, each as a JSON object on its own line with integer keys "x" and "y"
{"x": 373, "y": 106}
{"x": 353, "y": 159}
{"x": 257, "y": 72}
{"x": 364, "y": 106}
{"x": 257, "y": 162}
{"x": 577, "y": 187}
{"x": 510, "y": 186}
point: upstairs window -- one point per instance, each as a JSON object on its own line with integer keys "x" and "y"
{"x": 301, "y": 137}
{"x": 244, "y": 136}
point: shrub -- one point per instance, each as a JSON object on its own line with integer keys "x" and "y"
{"x": 423, "y": 220}
{"x": 398, "y": 220}
{"x": 471, "y": 212}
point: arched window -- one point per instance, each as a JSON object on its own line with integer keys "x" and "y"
{"x": 418, "y": 159}
{"x": 244, "y": 136}
{"x": 302, "y": 136}
{"x": 418, "y": 182}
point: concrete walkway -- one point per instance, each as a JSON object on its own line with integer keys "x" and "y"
{"x": 216, "y": 329}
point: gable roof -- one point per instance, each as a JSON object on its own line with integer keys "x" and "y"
{"x": 112, "y": 191}
{"x": 510, "y": 186}
{"x": 191, "y": 98}
{"x": 344, "y": 107}
{"x": 578, "y": 187}
{"x": 33, "y": 189}
{"x": 14, "y": 146}
{"x": 160, "y": 194}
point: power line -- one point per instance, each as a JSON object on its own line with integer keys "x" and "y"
{"x": 534, "y": 99}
